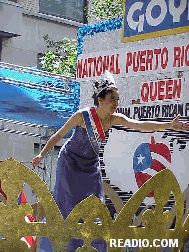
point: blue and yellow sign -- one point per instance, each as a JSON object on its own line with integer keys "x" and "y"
{"x": 152, "y": 18}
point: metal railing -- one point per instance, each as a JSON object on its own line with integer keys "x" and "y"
{"x": 34, "y": 78}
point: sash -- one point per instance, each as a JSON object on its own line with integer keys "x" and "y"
{"x": 94, "y": 128}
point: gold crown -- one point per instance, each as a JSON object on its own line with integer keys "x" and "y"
{"x": 13, "y": 225}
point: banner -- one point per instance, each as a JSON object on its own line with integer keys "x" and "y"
{"x": 131, "y": 158}
{"x": 129, "y": 61}
{"x": 152, "y": 18}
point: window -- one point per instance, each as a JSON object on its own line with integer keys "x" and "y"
{"x": 69, "y": 9}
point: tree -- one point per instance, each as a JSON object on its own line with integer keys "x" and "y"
{"x": 102, "y": 10}
{"x": 60, "y": 57}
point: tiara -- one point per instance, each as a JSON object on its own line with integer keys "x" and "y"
{"x": 104, "y": 81}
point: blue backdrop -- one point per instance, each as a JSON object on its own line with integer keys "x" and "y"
{"x": 38, "y": 106}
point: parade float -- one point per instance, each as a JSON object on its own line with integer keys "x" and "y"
{"x": 147, "y": 52}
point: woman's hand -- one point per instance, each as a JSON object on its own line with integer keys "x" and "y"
{"x": 176, "y": 125}
{"x": 36, "y": 160}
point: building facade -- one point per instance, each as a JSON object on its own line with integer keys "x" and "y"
{"x": 24, "y": 23}
{"x": 24, "y": 88}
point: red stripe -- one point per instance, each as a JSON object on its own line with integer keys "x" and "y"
{"x": 157, "y": 166}
{"x": 97, "y": 123}
{"x": 23, "y": 197}
{"x": 141, "y": 178}
{"x": 2, "y": 193}
{"x": 31, "y": 217}
{"x": 30, "y": 240}
{"x": 162, "y": 150}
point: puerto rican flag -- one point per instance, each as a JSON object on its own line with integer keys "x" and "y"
{"x": 30, "y": 240}
{"x": 150, "y": 158}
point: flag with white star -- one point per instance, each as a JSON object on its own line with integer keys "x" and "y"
{"x": 150, "y": 158}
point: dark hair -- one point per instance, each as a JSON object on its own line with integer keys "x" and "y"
{"x": 103, "y": 94}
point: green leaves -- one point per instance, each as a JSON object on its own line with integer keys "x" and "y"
{"x": 60, "y": 57}
{"x": 106, "y": 9}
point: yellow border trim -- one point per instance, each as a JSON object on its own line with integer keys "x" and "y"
{"x": 151, "y": 34}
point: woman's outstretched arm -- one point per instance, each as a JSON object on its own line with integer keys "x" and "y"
{"x": 72, "y": 122}
{"x": 120, "y": 119}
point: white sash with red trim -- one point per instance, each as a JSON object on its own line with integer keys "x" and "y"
{"x": 94, "y": 128}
